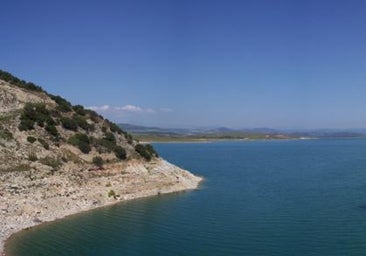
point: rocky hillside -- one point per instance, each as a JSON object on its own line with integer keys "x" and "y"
{"x": 57, "y": 159}
{"x": 40, "y": 130}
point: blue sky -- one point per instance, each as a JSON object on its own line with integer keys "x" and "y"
{"x": 280, "y": 64}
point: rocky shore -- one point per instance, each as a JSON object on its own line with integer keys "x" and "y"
{"x": 29, "y": 199}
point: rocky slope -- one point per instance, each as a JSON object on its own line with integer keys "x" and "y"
{"x": 57, "y": 159}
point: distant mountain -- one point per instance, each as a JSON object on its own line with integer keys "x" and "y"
{"x": 222, "y": 131}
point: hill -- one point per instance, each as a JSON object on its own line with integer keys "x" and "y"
{"x": 57, "y": 159}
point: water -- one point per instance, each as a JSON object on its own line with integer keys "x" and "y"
{"x": 259, "y": 198}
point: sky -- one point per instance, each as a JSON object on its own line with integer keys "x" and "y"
{"x": 196, "y": 63}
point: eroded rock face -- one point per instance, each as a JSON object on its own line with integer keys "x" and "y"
{"x": 44, "y": 177}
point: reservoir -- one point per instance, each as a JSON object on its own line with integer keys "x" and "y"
{"x": 280, "y": 197}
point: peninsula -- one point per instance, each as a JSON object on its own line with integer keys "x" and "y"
{"x": 58, "y": 159}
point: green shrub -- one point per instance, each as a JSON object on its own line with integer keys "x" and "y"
{"x": 151, "y": 150}
{"x": 44, "y": 143}
{"x": 143, "y": 152}
{"x": 51, "y": 129}
{"x": 120, "y": 152}
{"x": 79, "y": 110}
{"x": 81, "y": 141}
{"x": 62, "y": 104}
{"x": 34, "y": 113}
{"x": 81, "y": 122}
{"x": 98, "y": 161}
{"x": 6, "y": 76}
{"x": 112, "y": 193}
{"x": 26, "y": 125}
{"x": 146, "y": 151}
{"x": 55, "y": 163}
{"x": 31, "y": 139}
{"x": 5, "y": 134}
{"x": 32, "y": 157}
{"x": 69, "y": 124}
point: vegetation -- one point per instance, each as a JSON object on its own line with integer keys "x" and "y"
{"x": 62, "y": 104}
{"x": 69, "y": 124}
{"x": 146, "y": 151}
{"x": 81, "y": 122}
{"x": 5, "y": 134}
{"x": 79, "y": 110}
{"x": 81, "y": 141}
{"x": 32, "y": 157}
{"x": 44, "y": 143}
{"x": 98, "y": 161}
{"x": 120, "y": 152}
{"x": 34, "y": 113}
{"x": 6, "y": 76}
{"x": 31, "y": 139}
{"x": 55, "y": 163}
{"x": 112, "y": 193}
{"x": 51, "y": 121}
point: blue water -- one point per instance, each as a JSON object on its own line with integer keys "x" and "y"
{"x": 259, "y": 198}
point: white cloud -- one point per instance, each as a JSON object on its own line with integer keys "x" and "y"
{"x": 100, "y": 108}
{"x": 127, "y": 109}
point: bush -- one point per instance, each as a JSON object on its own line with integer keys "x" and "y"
{"x": 55, "y": 163}
{"x": 81, "y": 122}
{"x": 120, "y": 152}
{"x": 51, "y": 129}
{"x": 151, "y": 150}
{"x": 6, "y": 76}
{"x": 79, "y": 110}
{"x": 32, "y": 157}
{"x": 98, "y": 161}
{"x": 34, "y": 113}
{"x": 62, "y": 104}
{"x": 69, "y": 124}
{"x": 5, "y": 134}
{"x": 112, "y": 193}
{"x": 31, "y": 139}
{"x": 26, "y": 125}
{"x": 81, "y": 141}
{"x": 44, "y": 143}
{"x": 143, "y": 152}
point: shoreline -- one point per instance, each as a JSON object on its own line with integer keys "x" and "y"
{"x": 172, "y": 179}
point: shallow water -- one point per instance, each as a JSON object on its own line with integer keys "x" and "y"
{"x": 304, "y": 197}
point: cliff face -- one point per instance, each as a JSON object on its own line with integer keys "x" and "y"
{"x": 57, "y": 159}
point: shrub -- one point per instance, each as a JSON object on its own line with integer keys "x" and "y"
{"x": 6, "y": 76}
{"x": 5, "y": 134}
{"x": 112, "y": 193}
{"x": 44, "y": 143}
{"x": 62, "y": 104}
{"x": 51, "y": 129}
{"x": 34, "y": 113}
{"x": 120, "y": 152}
{"x": 79, "y": 110}
{"x": 31, "y": 139}
{"x": 55, "y": 163}
{"x": 151, "y": 150}
{"x": 69, "y": 124}
{"x": 81, "y": 122}
{"x": 141, "y": 149}
{"x": 98, "y": 161}
{"x": 26, "y": 125}
{"x": 32, "y": 157}
{"x": 81, "y": 141}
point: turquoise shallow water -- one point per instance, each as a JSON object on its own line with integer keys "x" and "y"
{"x": 259, "y": 198}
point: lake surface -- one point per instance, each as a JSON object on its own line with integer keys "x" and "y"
{"x": 304, "y": 197}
